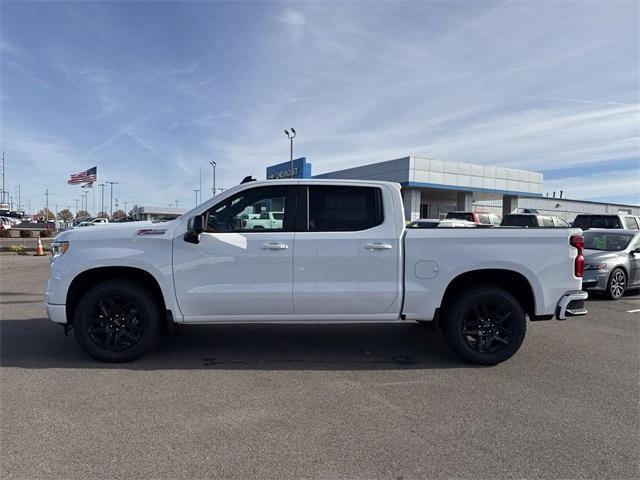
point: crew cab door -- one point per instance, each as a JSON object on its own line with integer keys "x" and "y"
{"x": 346, "y": 252}
{"x": 239, "y": 268}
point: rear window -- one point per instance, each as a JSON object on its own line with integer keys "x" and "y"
{"x": 344, "y": 209}
{"x": 586, "y": 222}
{"x": 519, "y": 221}
{"x": 468, "y": 216}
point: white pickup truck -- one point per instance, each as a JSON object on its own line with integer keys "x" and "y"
{"x": 341, "y": 254}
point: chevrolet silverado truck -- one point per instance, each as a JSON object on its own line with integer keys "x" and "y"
{"x": 341, "y": 254}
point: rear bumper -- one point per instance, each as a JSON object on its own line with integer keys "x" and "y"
{"x": 56, "y": 313}
{"x": 572, "y": 304}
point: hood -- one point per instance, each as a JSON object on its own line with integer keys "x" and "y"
{"x": 114, "y": 231}
{"x": 598, "y": 256}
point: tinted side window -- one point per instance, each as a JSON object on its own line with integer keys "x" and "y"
{"x": 631, "y": 223}
{"x": 596, "y": 221}
{"x": 249, "y": 211}
{"x": 344, "y": 209}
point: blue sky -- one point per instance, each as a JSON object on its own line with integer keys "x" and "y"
{"x": 150, "y": 92}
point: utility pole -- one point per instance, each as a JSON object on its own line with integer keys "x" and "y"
{"x": 46, "y": 208}
{"x": 213, "y": 185}
{"x": 111, "y": 201}
{"x": 2, "y": 201}
{"x": 291, "y": 135}
{"x": 102, "y": 185}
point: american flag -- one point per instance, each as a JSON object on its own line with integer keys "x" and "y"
{"x": 88, "y": 176}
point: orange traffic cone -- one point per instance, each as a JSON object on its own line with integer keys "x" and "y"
{"x": 39, "y": 250}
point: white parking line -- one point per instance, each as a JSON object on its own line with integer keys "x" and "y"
{"x": 634, "y": 311}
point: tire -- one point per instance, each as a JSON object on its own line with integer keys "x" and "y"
{"x": 117, "y": 321}
{"x": 485, "y": 326}
{"x": 617, "y": 284}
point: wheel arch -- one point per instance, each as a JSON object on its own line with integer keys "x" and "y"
{"x": 511, "y": 281}
{"x": 88, "y": 279}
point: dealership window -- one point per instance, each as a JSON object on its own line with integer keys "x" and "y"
{"x": 253, "y": 210}
{"x": 344, "y": 209}
{"x": 631, "y": 223}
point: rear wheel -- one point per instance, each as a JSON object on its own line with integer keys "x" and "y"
{"x": 117, "y": 321}
{"x": 486, "y": 325}
{"x": 617, "y": 284}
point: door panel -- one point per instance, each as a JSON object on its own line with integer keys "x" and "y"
{"x": 345, "y": 272}
{"x": 234, "y": 274}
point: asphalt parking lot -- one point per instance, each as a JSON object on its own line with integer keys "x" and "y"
{"x": 352, "y": 401}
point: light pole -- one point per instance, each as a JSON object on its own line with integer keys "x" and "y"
{"x": 196, "y": 190}
{"x": 111, "y": 199}
{"x": 76, "y": 200}
{"x": 291, "y": 135}
{"x": 102, "y": 185}
{"x": 213, "y": 185}
{"x": 125, "y": 207}
{"x": 176, "y": 203}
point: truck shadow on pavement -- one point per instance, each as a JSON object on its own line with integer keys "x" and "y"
{"x": 39, "y": 344}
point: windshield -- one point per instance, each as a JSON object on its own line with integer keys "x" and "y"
{"x": 606, "y": 241}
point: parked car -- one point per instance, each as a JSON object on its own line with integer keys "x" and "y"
{"x": 341, "y": 254}
{"x": 266, "y": 220}
{"x": 454, "y": 223}
{"x": 5, "y": 223}
{"x": 591, "y": 220}
{"x": 479, "y": 218}
{"x": 530, "y": 220}
{"x": 424, "y": 223}
{"x": 612, "y": 261}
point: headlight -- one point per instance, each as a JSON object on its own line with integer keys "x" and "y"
{"x": 59, "y": 248}
{"x": 595, "y": 266}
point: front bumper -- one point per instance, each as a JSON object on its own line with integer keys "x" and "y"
{"x": 56, "y": 313}
{"x": 572, "y": 304}
{"x": 595, "y": 280}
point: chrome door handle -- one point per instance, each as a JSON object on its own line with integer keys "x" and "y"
{"x": 275, "y": 246}
{"x": 378, "y": 246}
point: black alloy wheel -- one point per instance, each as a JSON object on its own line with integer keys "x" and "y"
{"x": 485, "y": 325}
{"x": 117, "y": 321}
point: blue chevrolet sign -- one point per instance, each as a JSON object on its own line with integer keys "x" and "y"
{"x": 301, "y": 169}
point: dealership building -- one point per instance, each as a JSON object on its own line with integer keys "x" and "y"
{"x": 431, "y": 188}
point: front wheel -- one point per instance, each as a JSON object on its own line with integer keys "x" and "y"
{"x": 486, "y": 325}
{"x": 117, "y": 321}
{"x": 617, "y": 284}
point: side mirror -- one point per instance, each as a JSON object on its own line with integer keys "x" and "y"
{"x": 195, "y": 227}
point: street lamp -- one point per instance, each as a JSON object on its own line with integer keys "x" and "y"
{"x": 291, "y": 135}
{"x": 111, "y": 198}
{"x": 102, "y": 185}
{"x": 196, "y": 191}
{"x": 213, "y": 185}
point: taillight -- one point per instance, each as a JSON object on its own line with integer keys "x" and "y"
{"x": 577, "y": 241}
